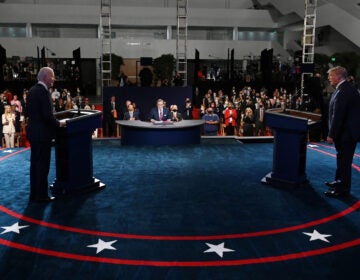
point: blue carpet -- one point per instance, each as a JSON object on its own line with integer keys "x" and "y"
{"x": 164, "y": 208}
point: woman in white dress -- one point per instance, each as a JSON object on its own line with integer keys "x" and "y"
{"x": 8, "y": 122}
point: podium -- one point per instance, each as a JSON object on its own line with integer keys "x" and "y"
{"x": 290, "y": 129}
{"x": 73, "y": 153}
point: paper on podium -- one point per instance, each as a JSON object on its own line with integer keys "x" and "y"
{"x": 162, "y": 122}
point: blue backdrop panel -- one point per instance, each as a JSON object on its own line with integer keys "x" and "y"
{"x": 145, "y": 97}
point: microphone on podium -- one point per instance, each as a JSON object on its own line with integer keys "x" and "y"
{"x": 78, "y": 105}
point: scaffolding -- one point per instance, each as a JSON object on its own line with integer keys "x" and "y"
{"x": 308, "y": 41}
{"x": 105, "y": 36}
{"x": 181, "y": 39}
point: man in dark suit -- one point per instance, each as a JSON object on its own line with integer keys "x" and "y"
{"x": 260, "y": 119}
{"x": 344, "y": 129}
{"x": 160, "y": 112}
{"x": 112, "y": 113}
{"x": 40, "y": 132}
{"x": 131, "y": 114}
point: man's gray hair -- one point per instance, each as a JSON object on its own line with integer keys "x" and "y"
{"x": 45, "y": 71}
{"x": 339, "y": 70}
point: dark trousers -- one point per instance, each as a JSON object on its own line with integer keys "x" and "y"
{"x": 111, "y": 127}
{"x": 39, "y": 169}
{"x": 229, "y": 130}
{"x": 344, "y": 157}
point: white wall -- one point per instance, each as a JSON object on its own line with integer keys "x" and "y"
{"x": 214, "y": 4}
{"x": 215, "y": 14}
{"x": 90, "y": 48}
{"x": 65, "y": 14}
{"x": 327, "y": 14}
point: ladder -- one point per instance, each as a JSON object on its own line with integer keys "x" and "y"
{"x": 308, "y": 41}
{"x": 105, "y": 36}
{"x": 181, "y": 39}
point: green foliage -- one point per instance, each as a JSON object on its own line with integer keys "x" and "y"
{"x": 349, "y": 60}
{"x": 164, "y": 67}
{"x": 322, "y": 63}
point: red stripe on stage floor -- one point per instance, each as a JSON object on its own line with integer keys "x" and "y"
{"x": 329, "y": 147}
{"x": 13, "y": 154}
{"x": 185, "y": 238}
{"x": 240, "y": 262}
{"x": 357, "y": 168}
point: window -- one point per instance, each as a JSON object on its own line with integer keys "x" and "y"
{"x": 13, "y": 30}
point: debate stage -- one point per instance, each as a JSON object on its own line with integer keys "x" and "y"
{"x": 181, "y": 212}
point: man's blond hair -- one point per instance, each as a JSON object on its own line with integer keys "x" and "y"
{"x": 339, "y": 71}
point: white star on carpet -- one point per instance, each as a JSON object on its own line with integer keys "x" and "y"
{"x": 315, "y": 235}
{"x": 218, "y": 249}
{"x": 102, "y": 245}
{"x": 313, "y": 146}
{"x": 14, "y": 228}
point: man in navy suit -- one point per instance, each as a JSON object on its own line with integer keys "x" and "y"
{"x": 160, "y": 112}
{"x": 344, "y": 129}
{"x": 40, "y": 132}
{"x": 131, "y": 114}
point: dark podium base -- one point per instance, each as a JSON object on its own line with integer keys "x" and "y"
{"x": 64, "y": 188}
{"x": 73, "y": 151}
{"x": 269, "y": 179}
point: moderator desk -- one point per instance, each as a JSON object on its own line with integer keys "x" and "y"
{"x": 146, "y": 133}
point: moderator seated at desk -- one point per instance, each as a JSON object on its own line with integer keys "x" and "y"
{"x": 160, "y": 133}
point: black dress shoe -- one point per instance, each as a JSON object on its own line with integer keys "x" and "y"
{"x": 333, "y": 184}
{"x": 337, "y": 194}
{"x": 44, "y": 199}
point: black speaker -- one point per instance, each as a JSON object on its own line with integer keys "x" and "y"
{"x": 197, "y": 66}
{"x": 2, "y": 55}
{"x": 307, "y": 67}
{"x": 232, "y": 59}
{"x": 76, "y": 53}
{"x": 77, "y": 56}
{"x": 146, "y": 61}
{"x": 298, "y": 57}
{"x": 43, "y": 59}
{"x": 263, "y": 59}
{"x": 2, "y": 62}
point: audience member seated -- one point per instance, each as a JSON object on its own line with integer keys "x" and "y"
{"x": 175, "y": 115}
{"x": 131, "y": 114}
{"x": 188, "y": 110}
{"x": 86, "y": 104}
{"x": 59, "y": 105}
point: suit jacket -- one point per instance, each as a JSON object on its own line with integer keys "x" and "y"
{"x": 154, "y": 114}
{"x": 257, "y": 117}
{"x": 227, "y": 117}
{"x": 344, "y": 113}
{"x": 108, "y": 114}
{"x": 42, "y": 123}
{"x": 136, "y": 115}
